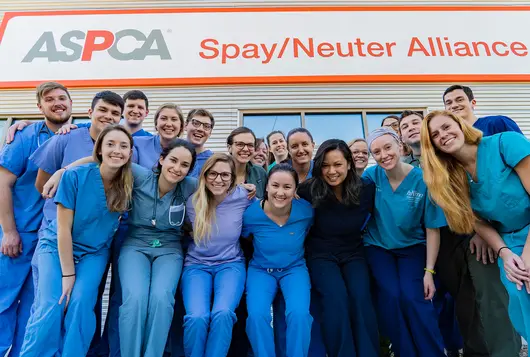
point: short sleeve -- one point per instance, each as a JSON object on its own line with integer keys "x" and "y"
{"x": 49, "y": 156}
{"x": 189, "y": 186}
{"x": 370, "y": 174}
{"x": 509, "y": 125}
{"x": 434, "y": 216}
{"x": 14, "y": 156}
{"x": 513, "y": 147}
{"x": 304, "y": 191}
{"x": 246, "y": 231}
{"x": 84, "y": 125}
{"x": 67, "y": 191}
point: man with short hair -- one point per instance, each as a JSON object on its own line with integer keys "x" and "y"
{"x": 461, "y": 101}
{"x": 481, "y": 302}
{"x": 21, "y": 214}
{"x": 136, "y": 109}
{"x": 199, "y": 126}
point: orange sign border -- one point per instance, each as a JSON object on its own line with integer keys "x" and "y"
{"x": 201, "y": 81}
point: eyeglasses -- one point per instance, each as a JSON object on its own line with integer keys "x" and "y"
{"x": 394, "y": 125}
{"x": 225, "y": 176}
{"x": 241, "y": 145}
{"x": 197, "y": 124}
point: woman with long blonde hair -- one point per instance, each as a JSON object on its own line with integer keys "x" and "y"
{"x": 483, "y": 184}
{"x": 73, "y": 250}
{"x": 214, "y": 264}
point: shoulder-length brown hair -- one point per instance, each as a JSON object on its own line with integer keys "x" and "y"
{"x": 446, "y": 177}
{"x": 119, "y": 194}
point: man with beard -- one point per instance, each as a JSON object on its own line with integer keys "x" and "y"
{"x": 21, "y": 213}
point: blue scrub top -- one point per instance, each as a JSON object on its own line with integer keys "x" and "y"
{"x": 400, "y": 217}
{"x": 148, "y": 208}
{"x": 141, "y": 133}
{"x": 199, "y": 163}
{"x": 81, "y": 190}
{"x": 27, "y": 201}
{"x": 58, "y": 152}
{"x": 309, "y": 174}
{"x": 499, "y": 196}
{"x": 496, "y": 124}
{"x": 278, "y": 246}
{"x": 147, "y": 150}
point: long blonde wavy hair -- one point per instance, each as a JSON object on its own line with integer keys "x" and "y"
{"x": 203, "y": 200}
{"x": 119, "y": 194}
{"x": 446, "y": 177}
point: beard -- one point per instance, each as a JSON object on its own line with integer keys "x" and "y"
{"x": 59, "y": 121}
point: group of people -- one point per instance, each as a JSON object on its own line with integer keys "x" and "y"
{"x": 267, "y": 249}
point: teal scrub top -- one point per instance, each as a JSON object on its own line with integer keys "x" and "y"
{"x": 499, "y": 196}
{"x": 81, "y": 190}
{"x": 400, "y": 217}
{"x": 155, "y": 221}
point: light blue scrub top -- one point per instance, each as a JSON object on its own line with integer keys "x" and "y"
{"x": 149, "y": 221}
{"x": 199, "y": 163}
{"x": 147, "y": 150}
{"x": 27, "y": 201}
{"x": 401, "y": 216}
{"x": 499, "y": 196}
{"x": 81, "y": 190}
{"x": 278, "y": 247}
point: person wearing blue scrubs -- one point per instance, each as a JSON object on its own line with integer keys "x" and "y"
{"x": 21, "y": 214}
{"x": 199, "y": 126}
{"x": 300, "y": 146}
{"x": 401, "y": 246}
{"x": 73, "y": 249}
{"x": 278, "y": 224}
{"x": 214, "y": 275}
{"x": 483, "y": 184}
{"x": 135, "y": 111}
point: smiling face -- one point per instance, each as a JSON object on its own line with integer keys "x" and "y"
{"x": 391, "y": 123}
{"x": 219, "y": 178}
{"x": 446, "y": 135}
{"x": 260, "y": 155}
{"x": 199, "y": 129}
{"x": 176, "y": 165}
{"x": 168, "y": 124}
{"x": 242, "y": 148}
{"x": 281, "y": 188}
{"x": 56, "y": 106}
{"x": 459, "y": 104}
{"x": 335, "y": 168}
{"x": 386, "y": 151}
{"x": 135, "y": 112}
{"x": 410, "y": 127}
{"x": 359, "y": 151}
{"x": 301, "y": 148}
{"x": 104, "y": 114}
{"x": 278, "y": 144}
{"x": 115, "y": 149}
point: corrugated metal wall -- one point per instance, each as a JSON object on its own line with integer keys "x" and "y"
{"x": 227, "y": 101}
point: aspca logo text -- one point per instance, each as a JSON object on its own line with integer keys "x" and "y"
{"x": 81, "y": 45}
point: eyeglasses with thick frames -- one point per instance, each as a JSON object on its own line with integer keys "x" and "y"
{"x": 241, "y": 145}
{"x": 197, "y": 124}
{"x": 212, "y": 175}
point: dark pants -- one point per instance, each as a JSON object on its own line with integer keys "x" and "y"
{"x": 410, "y": 321}
{"x": 349, "y": 323}
{"x": 445, "y": 308}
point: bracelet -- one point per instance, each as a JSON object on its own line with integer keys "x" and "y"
{"x": 68, "y": 276}
{"x": 430, "y": 271}
{"x": 500, "y": 249}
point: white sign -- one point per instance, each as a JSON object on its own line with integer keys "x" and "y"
{"x": 290, "y": 45}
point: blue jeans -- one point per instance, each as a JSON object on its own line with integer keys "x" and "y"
{"x": 16, "y": 295}
{"x": 262, "y": 285}
{"x": 149, "y": 278}
{"x": 44, "y": 332}
{"x": 208, "y": 326}
{"x": 410, "y": 321}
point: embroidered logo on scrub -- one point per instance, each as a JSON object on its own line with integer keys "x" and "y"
{"x": 155, "y": 243}
{"x": 414, "y": 197}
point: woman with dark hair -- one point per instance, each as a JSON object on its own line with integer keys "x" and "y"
{"x": 261, "y": 155}
{"x": 335, "y": 256}
{"x": 73, "y": 250}
{"x": 278, "y": 224}
{"x": 278, "y": 148}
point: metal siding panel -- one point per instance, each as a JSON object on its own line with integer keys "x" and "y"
{"x": 226, "y": 102}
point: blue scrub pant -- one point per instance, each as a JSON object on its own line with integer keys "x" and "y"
{"x": 16, "y": 295}
{"x": 149, "y": 278}
{"x": 349, "y": 321}
{"x": 51, "y": 331}
{"x": 262, "y": 285}
{"x": 444, "y": 305}
{"x": 208, "y": 327}
{"x": 519, "y": 302}
{"x": 409, "y": 320}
